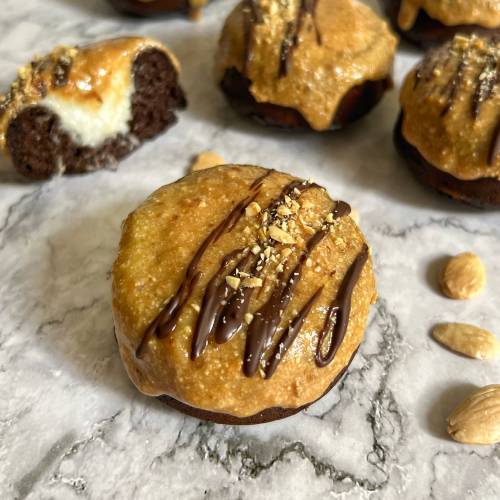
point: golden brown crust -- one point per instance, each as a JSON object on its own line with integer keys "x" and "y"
{"x": 485, "y": 13}
{"x": 303, "y": 55}
{"x": 161, "y": 237}
{"x": 450, "y": 105}
{"x": 86, "y": 76}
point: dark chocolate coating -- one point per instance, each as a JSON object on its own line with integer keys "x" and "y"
{"x": 428, "y": 32}
{"x": 355, "y": 104}
{"x": 149, "y": 9}
{"x": 37, "y": 142}
{"x": 481, "y": 193}
{"x": 267, "y": 415}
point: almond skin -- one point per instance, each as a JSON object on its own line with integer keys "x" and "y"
{"x": 467, "y": 339}
{"x": 477, "y": 419}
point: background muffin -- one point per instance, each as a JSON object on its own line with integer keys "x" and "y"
{"x": 304, "y": 64}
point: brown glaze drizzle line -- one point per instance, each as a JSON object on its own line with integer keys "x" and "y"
{"x": 291, "y": 40}
{"x": 252, "y": 16}
{"x": 166, "y": 321}
{"x": 337, "y": 319}
{"x": 495, "y": 146}
{"x": 486, "y": 83}
{"x": 223, "y": 309}
{"x": 267, "y": 319}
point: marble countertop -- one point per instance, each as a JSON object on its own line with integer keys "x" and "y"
{"x": 71, "y": 423}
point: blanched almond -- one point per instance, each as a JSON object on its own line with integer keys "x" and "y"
{"x": 477, "y": 419}
{"x": 463, "y": 277}
{"x": 467, "y": 339}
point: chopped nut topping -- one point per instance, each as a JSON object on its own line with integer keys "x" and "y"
{"x": 286, "y": 252}
{"x": 252, "y": 282}
{"x": 283, "y": 210}
{"x": 248, "y": 318}
{"x": 309, "y": 262}
{"x": 267, "y": 252}
{"x": 329, "y": 218}
{"x": 196, "y": 307}
{"x": 279, "y": 235}
{"x": 233, "y": 281}
{"x": 256, "y": 249}
{"x": 252, "y": 209}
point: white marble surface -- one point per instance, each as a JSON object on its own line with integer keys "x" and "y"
{"x": 71, "y": 424}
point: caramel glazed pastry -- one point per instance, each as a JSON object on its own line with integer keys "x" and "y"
{"x": 431, "y": 22}
{"x": 146, "y": 8}
{"x": 240, "y": 294}
{"x": 449, "y": 127}
{"x": 304, "y": 64}
{"x": 80, "y": 109}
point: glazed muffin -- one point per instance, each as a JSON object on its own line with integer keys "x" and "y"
{"x": 431, "y": 22}
{"x": 449, "y": 128}
{"x": 83, "y": 108}
{"x": 240, "y": 294}
{"x": 147, "y": 8}
{"x": 304, "y": 64}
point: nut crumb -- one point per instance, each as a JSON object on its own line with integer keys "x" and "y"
{"x": 233, "y": 281}
{"x": 279, "y": 235}
{"x": 248, "y": 318}
{"x": 252, "y": 282}
{"x": 252, "y": 209}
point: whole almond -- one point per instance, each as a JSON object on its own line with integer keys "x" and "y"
{"x": 207, "y": 159}
{"x": 477, "y": 419}
{"x": 463, "y": 277}
{"x": 467, "y": 339}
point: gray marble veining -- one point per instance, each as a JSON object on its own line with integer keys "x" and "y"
{"x": 71, "y": 424}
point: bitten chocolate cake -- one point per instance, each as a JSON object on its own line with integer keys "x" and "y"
{"x": 146, "y": 8}
{"x": 240, "y": 294}
{"x": 449, "y": 129}
{"x": 431, "y": 22}
{"x": 81, "y": 109}
{"x": 304, "y": 64}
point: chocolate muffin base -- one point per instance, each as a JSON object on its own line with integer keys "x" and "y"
{"x": 480, "y": 193}
{"x": 267, "y": 415}
{"x": 151, "y": 9}
{"x": 355, "y": 104}
{"x": 40, "y": 147}
{"x": 427, "y": 32}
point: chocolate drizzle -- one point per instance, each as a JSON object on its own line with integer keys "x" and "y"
{"x": 291, "y": 39}
{"x": 165, "y": 323}
{"x": 224, "y": 309}
{"x": 486, "y": 79}
{"x": 495, "y": 146}
{"x": 290, "y": 335}
{"x": 337, "y": 319}
{"x": 267, "y": 319}
{"x": 485, "y": 86}
{"x": 252, "y": 17}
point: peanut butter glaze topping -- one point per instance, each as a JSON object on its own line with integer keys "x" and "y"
{"x": 306, "y": 54}
{"x": 451, "y": 107}
{"x": 258, "y": 301}
{"x": 88, "y": 77}
{"x": 484, "y": 13}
